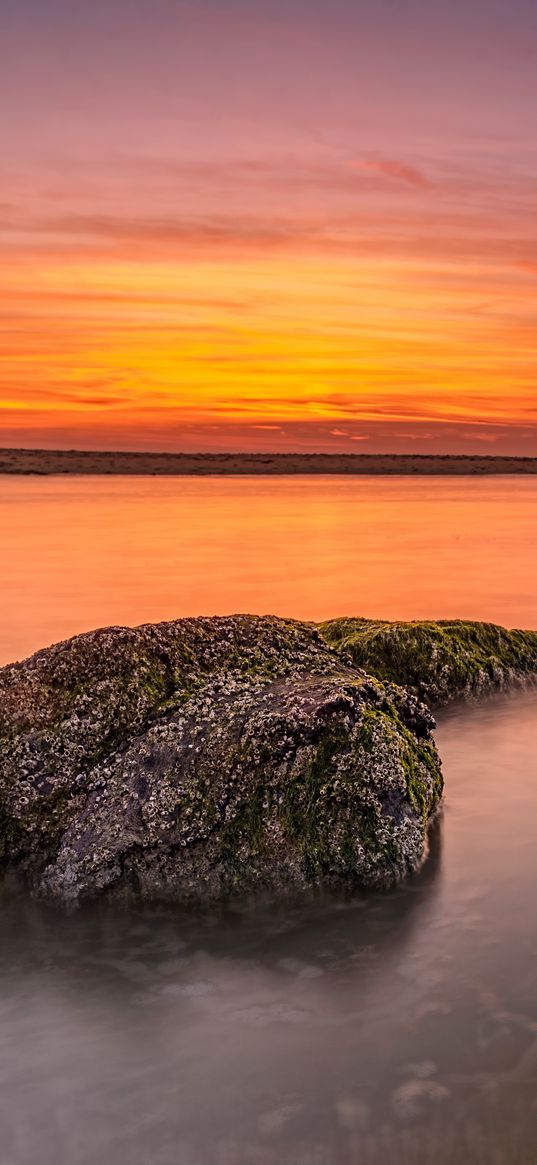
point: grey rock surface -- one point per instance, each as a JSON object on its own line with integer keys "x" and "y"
{"x": 205, "y": 757}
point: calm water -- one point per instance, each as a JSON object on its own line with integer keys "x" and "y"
{"x": 388, "y": 1029}
{"x": 384, "y": 1029}
{"x": 82, "y": 552}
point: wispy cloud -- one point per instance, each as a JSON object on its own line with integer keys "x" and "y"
{"x": 392, "y": 168}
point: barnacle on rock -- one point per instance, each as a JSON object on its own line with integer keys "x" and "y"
{"x": 205, "y": 757}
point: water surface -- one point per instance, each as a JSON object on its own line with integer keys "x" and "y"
{"x": 82, "y": 552}
{"x": 368, "y": 1030}
{"x": 357, "y": 1030}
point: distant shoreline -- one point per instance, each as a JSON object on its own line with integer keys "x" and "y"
{"x": 44, "y": 462}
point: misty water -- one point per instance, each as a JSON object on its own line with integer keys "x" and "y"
{"x": 388, "y": 1027}
{"x": 396, "y": 1027}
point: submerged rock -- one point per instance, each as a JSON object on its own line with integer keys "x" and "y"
{"x": 438, "y": 661}
{"x": 209, "y": 756}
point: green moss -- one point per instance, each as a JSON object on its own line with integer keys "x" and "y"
{"x": 418, "y": 758}
{"x": 313, "y": 792}
{"x": 244, "y": 835}
{"x": 41, "y": 820}
{"x": 438, "y": 660}
{"x": 10, "y": 834}
{"x": 372, "y": 720}
{"x": 421, "y": 770}
{"x": 299, "y": 814}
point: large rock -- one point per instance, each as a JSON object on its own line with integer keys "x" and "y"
{"x": 206, "y": 756}
{"x": 438, "y": 661}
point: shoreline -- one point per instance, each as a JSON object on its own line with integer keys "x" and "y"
{"x": 44, "y": 462}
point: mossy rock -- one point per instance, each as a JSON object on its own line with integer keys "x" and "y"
{"x": 205, "y": 757}
{"x": 439, "y": 661}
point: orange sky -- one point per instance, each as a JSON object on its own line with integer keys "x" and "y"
{"x": 284, "y": 226}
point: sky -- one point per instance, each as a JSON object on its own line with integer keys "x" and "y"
{"x": 269, "y": 224}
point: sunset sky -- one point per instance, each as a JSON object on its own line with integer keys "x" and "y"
{"x": 269, "y": 224}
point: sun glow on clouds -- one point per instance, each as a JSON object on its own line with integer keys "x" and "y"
{"x": 308, "y": 274}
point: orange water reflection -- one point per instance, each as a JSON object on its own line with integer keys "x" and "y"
{"x": 81, "y": 552}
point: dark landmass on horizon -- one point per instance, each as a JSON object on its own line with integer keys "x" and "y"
{"x": 45, "y": 461}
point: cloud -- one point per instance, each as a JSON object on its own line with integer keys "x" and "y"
{"x": 488, "y": 438}
{"x": 100, "y": 401}
{"x": 392, "y": 168}
{"x": 454, "y": 234}
{"x": 529, "y": 268}
{"x": 112, "y": 430}
{"x": 213, "y": 229}
{"x": 408, "y": 436}
{"x": 145, "y": 297}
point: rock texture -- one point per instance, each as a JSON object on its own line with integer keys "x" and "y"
{"x": 438, "y": 661}
{"x": 209, "y": 756}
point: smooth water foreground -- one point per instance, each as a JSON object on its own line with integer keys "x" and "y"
{"x": 392, "y": 1028}
{"x": 369, "y": 1030}
{"x": 78, "y": 553}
